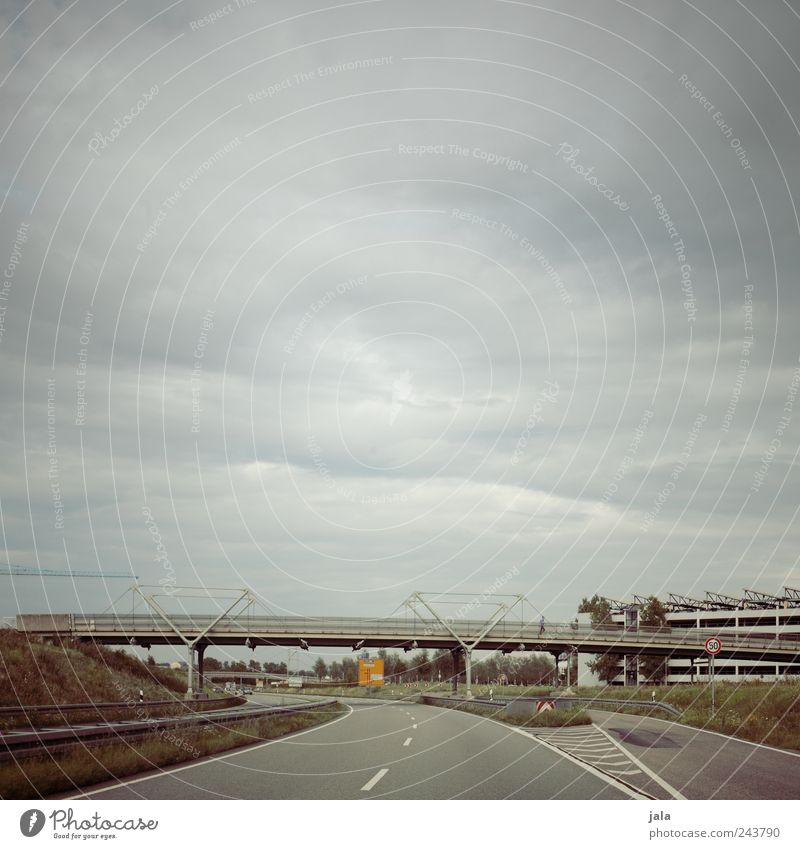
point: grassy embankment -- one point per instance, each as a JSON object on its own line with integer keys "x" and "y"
{"x": 762, "y": 712}
{"x": 66, "y": 772}
{"x": 35, "y": 673}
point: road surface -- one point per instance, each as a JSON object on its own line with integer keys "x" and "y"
{"x": 702, "y": 764}
{"x": 389, "y": 751}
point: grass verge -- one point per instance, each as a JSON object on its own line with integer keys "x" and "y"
{"x": 64, "y": 772}
{"x": 761, "y": 712}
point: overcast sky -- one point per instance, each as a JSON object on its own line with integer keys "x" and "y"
{"x": 343, "y": 301}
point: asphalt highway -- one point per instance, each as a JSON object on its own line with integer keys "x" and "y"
{"x": 703, "y": 764}
{"x": 388, "y": 751}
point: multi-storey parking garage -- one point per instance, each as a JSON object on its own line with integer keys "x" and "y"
{"x": 730, "y": 618}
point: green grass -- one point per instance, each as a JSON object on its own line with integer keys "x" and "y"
{"x": 36, "y": 673}
{"x": 762, "y": 712}
{"x": 65, "y": 772}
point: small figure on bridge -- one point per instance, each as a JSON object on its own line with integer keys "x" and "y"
{"x": 541, "y": 625}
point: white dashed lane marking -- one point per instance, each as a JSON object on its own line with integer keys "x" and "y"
{"x": 375, "y": 779}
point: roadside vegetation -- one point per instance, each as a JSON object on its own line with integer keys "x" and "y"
{"x": 545, "y": 719}
{"x": 399, "y": 691}
{"x": 758, "y": 711}
{"x": 79, "y": 767}
{"x": 33, "y": 672}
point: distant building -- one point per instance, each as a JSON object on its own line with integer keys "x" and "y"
{"x": 754, "y": 614}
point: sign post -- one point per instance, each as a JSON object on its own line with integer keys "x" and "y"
{"x": 713, "y": 648}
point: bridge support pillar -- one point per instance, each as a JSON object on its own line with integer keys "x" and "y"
{"x": 556, "y": 655}
{"x": 189, "y": 669}
{"x": 468, "y": 671}
{"x": 201, "y": 650}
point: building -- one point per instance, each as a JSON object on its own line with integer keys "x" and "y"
{"x": 754, "y": 614}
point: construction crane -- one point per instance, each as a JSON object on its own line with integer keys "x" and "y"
{"x": 13, "y": 569}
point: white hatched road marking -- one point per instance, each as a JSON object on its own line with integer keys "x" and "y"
{"x": 676, "y": 794}
{"x": 375, "y": 779}
{"x": 595, "y": 748}
{"x": 408, "y": 741}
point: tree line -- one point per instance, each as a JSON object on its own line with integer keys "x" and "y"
{"x": 419, "y": 667}
{"x": 653, "y": 613}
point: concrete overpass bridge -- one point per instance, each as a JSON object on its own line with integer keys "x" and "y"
{"x": 197, "y": 632}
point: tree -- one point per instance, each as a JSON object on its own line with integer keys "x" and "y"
{"x": 422, "y": 666}
{"x": 151, "y": 661}
{"x": 336, "y": 671}
{"x": 349, "y": 670}
{"x": 211, "y": 664}
{"x": 320, "y": 668}
{"x": 604, "y": 666}
{"x": 653, "y": 614}
{"x": 254, "y": 666}
{"x": 400, "y": 667}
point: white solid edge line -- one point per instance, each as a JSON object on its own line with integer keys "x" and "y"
{"x": 589, "y": 768}
{"x": 375, "y": 779}
{"x": 207, "y": 760}
{"x": 582, "y": 764}
{"x": 676, "y": 794}
{"x": 705, "y": 731}
{"x": 408, "y": 741}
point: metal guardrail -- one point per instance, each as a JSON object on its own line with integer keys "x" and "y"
{"x": 88, "y": 707}
{"x": 15, "y": 744}
{"x": 560, "y": 702}
{"x": 633, "y": 703}
{"x": 588, "y": 701}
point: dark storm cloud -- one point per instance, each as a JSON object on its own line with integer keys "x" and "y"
{"x": 375, "y": 297}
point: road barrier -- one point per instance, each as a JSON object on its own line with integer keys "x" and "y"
{"x": 16, "y": 744}
{"x": 560, "y": 702}
{"x": 89, "y": 707}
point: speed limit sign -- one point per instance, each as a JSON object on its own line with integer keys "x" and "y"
{"x": 713, "y": 646}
